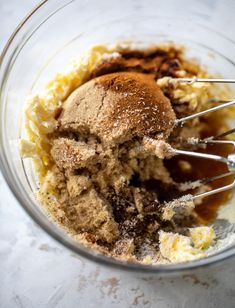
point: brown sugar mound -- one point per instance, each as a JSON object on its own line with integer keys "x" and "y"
{"x": 101, "y": 144}
{"x": 117, "y": 107}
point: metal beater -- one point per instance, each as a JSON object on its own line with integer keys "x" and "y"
{"x": 230, "y": 159}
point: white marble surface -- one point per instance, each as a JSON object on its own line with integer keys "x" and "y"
{"x": 36, "y": 271}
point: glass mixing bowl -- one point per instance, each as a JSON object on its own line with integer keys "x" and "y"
{"x": 58, "y": 30}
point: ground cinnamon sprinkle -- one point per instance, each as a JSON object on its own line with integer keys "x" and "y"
{"x": 137, "y": 103}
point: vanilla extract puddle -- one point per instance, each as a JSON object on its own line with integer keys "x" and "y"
{"x": 204, "y": 168}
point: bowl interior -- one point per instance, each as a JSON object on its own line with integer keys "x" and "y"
{"x": 59, "y": 31}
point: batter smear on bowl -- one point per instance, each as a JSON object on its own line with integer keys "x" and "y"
{"x": 102, "y": 139}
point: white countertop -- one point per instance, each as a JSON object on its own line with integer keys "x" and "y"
{"x": 36, "y": 271}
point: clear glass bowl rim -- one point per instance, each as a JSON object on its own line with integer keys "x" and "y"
{"x": 54, "y": 232}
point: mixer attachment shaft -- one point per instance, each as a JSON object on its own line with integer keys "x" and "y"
{"x": 229, "y": 161}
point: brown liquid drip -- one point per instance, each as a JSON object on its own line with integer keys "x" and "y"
{"x": 203, "y": 168}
